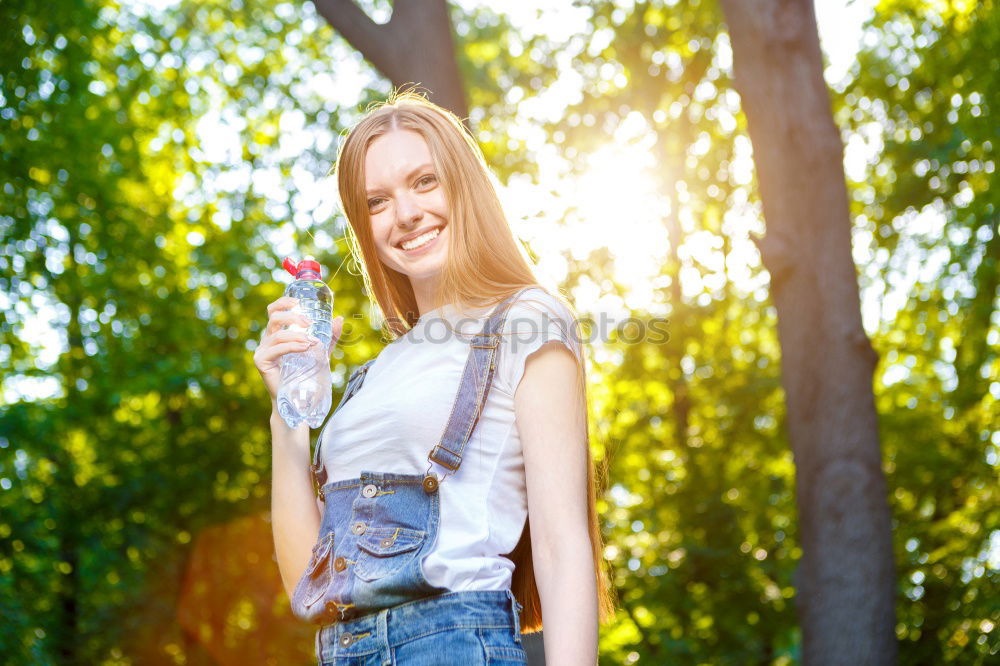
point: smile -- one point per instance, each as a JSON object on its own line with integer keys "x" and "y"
{"x": 421, "y": 240}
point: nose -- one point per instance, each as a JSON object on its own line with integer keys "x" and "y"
{"x": 408, "y": 211}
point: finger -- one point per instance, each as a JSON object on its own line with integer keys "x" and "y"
{"x": 271, "y": 353}
{"x": 283, "y": 303}
{"x": 287, "y": 335}
{"x": 283, "y": 336}
{"x": 283, "y": 318}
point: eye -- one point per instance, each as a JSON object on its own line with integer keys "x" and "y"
{"x": 426, "y": 180}
{"x": 374, "y": 203}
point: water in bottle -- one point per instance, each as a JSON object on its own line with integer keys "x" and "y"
{"x": 305, "y": 389}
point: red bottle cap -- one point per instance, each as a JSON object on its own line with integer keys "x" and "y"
{"x": 304, "y": 265}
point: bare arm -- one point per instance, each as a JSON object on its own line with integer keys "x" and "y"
{"x": 550, "y": 420}
{"x": 295, "y": 514}
{"x": 295, "y": 517}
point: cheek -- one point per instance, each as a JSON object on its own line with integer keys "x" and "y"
{"x": 380, "y": 234}
{"x": 381, "y": 228}
{"x": 439, "y": 203}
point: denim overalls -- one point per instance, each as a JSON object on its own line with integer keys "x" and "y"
{"x": 364, "y": 582}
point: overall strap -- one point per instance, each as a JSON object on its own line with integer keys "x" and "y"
{"x": 473, "y": 389}
{"x": 354, "y": 383}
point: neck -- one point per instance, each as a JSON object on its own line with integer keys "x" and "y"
{"x": 424, "y": 291}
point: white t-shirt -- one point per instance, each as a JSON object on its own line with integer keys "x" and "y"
{"x": 400, "y": 412}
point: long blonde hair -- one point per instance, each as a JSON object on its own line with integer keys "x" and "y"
{"x": 484, "y": 265}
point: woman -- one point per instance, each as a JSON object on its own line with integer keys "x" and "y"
{"x": 475, "y": 412}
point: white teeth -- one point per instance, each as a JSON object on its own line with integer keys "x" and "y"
{"x": 421, "y": 240}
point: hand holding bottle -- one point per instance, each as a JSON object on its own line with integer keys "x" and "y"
{"x": 279, "y": 339}
{"x": 301, "y": 350}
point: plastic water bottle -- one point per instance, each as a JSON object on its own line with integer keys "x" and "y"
{"x": 305, "y": 392}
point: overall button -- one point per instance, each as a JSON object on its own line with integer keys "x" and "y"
{"x": 340, "y": 564}
{"x": 430, "y": 484}
{"x": 346, "y": 639}
{"x": 369, "y": 491}
{"x": 358, "y": 528}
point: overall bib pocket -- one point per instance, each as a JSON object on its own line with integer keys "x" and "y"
{"x": 317, "y": 576}
{"x": 386, "y": 550}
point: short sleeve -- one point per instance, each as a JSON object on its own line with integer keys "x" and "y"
{"x": 534, "y": 319}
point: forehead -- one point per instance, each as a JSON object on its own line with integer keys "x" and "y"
{"x": 393, "y": 156}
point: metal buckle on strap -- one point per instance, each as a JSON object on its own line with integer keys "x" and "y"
{"x": 492, "y": 342}
{"x": 317, "y": 486}
{"x": 431, "y": 465}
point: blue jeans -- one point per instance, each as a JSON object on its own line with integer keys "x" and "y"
{"x": 471, "y": 628}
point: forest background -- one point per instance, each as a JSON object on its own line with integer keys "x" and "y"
{"x": 160, "y": 158}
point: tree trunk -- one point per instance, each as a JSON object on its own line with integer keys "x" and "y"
{"x": 415, "y": 46}
{"x": 846, "y": 580}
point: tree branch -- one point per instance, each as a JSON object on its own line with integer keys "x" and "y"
{"x": 363, "y": 33}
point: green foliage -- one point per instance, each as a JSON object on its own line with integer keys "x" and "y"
{"x": 154, "y": 174}
{"x": 926, "y": 88}
{"x": 151, "y": 250}
{"x": 700, "y": 516}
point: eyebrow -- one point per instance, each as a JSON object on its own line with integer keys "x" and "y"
{"x": 412, "y": 172}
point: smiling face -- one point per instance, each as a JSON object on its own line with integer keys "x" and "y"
{"x": 408, "y": 208}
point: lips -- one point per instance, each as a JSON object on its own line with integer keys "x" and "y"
{"x": 417, "y": 234}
